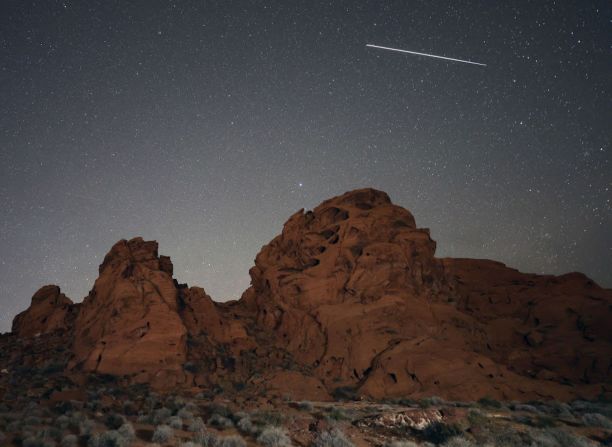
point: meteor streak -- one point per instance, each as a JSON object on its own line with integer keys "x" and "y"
{"x": 427, "y": 55}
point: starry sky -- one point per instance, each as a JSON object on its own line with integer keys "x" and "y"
{"x": 205, "y": 124}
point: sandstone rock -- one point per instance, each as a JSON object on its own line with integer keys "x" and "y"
{"x": 50, "y": 310}
{"x": 129, "y": 323}
{"x": 560, "y": 324}
{"x": 351, "y": 297}
{"x": 353, "y": 291}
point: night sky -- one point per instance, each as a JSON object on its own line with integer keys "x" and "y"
{"x": 206, "y": 124}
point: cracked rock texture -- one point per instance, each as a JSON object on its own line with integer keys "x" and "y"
{"x": 348, "y": 299}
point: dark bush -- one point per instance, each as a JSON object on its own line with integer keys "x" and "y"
{"x": 439, "y": 432}
{"x": 489, "y": 402}
{"x": 345, "y": 393}
{"x": 114, "y": 421}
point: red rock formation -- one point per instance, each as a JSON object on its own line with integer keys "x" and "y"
{"x": 349, "y": 295}
{"x": 129, "y": 323}
{"x": 553, "y": 328}
{"x": 50, "y": 310}
{"x": 352, "y": 290}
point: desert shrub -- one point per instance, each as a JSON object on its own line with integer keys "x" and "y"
{"x": 231, "y": 441}
{"x": 596, "y": 420}
{"x": 429, "y": 401}
{"x": 459, "y": 404}
{"x": 93, "y": 404}
{"x": 175, "y": 402}
{"x": 239, "y": 415}
{"x": 62, "y": 422}
{"x": 305, "y": 405}
{"x": 337, "y": 414}
{"x": 75, "y": 419}
{"x": 332, "y": 438}
{"x": 221, "y": 422}
{"x": 274, "y": 437}
{"x": 584, "y": 406}
{"x": 553, "y": 437}
{"x": 111, "y": 438}
{"x": 14, "y": 426}
{"x": 175, "y": 422}
{"x": 205, "y": 439}
{"x": 86, "y": 427}
{"x": 221, "y": 410}
{"x": 51, "y": 433}
{"x": 27, "y": 431}
{"x": 184, "y": 413}
{"x": 151, "y": 400}
{"x": 35, "y": 441}
{"x": 506, "y": 437}
{"x": 439, "y": 432}
{"x": 245, "y": 425}
{"x": 559, "y": 409}
{"x": 114, "y": 421}
{"x": 401, "y": 444}
{"x": 162, "y": 434}
{"x": 127, "y": 431}
{"x": 63, "y": 407}
{"x": 129, "y": 408}
{"x": 196, "y": 425}
{"x": 404, "y": 401}
{"x": 32, "y": 420}
{"x": 70, "y": 441}
{"x": 459, "y": 441}
{"x": 145, "y": 418}
{"x": 542, "y": 421}
{"x": 263, "y": 418}
{"x": 476, "y": 418}
{"x": 345, "y": 393}
{"x": 32, "y": 408}
{"x": 489, "y": 402}
{"x": 190, "y": 406}
{"x": 524, "y": 407}
{"x": 94, "y": 440}
{"x": 581, "y": 405}
{"x": 191, "y": 367}
{"x": 160, "y": 415}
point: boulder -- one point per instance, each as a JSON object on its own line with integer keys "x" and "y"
{"x": 49, "y": 311}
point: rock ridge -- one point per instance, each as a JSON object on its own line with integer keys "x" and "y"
{"x": 349, "y": 298}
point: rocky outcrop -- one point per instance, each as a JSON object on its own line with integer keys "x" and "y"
{"x": 551, "y": 328}
{"x": 352, "y": 290}
{"x": 334, "y": 285}
{"x": 50, "y": 311}
{"x": 348, "y": 300}
{"x": 129, "y": 323}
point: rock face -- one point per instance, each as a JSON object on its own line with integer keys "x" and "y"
{"x": 349, "y": 298}
{"x": 50, "y": 311}
{"x": 551, "y": 328}
{"x": 341, "y": 282}
{"x": 129, "y": 323}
